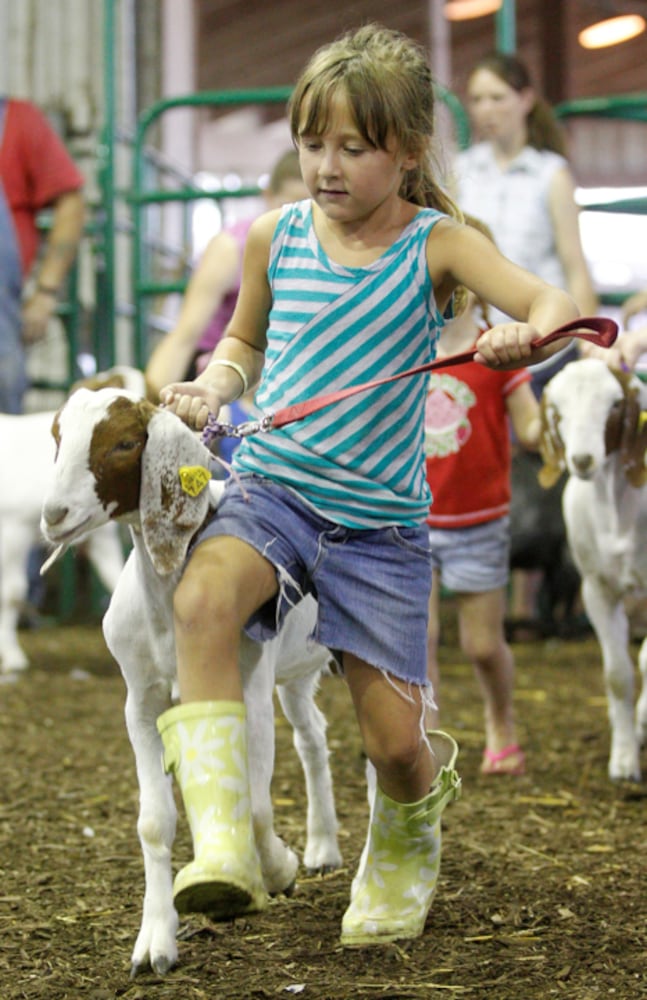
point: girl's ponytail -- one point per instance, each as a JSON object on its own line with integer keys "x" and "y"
{"x": 544, "y": 130}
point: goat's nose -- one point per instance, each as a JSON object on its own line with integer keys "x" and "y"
{"x": 583, "y": 462}
{"x": 53, "y": 514}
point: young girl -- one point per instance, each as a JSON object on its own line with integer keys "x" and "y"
{"x": 467, "y": 443}
{"x": 338, "y": 289}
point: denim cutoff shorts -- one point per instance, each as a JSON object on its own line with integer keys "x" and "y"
{"x": 372, "y": 585}
{"x": 475, "y": 559}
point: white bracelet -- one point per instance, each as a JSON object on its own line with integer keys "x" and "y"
{"x": 240, "y": 371}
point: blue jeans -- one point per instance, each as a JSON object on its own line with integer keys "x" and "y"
{"x": 472, "y": 560}
{"x": 372, "y": 586}
{"x": 13, "y": 373}
{"x": 13, "y": 379}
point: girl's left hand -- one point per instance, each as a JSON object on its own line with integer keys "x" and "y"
{"x": 506, "y": 345}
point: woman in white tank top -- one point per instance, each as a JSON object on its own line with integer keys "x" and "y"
{"x": 517, "y": 180}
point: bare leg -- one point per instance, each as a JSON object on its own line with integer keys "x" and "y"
{"x": 483, "y": 641}
{"x": 390, "y": 715}
{"x": 225, "y": 581}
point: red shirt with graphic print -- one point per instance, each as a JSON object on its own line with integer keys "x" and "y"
{"x": 467, "y": 443}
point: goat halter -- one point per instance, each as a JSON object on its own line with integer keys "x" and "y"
{"x": 215, "y": 428}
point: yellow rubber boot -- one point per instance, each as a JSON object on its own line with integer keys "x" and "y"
{"x": 205, "y": 748}
{"x": 398, "y": 871}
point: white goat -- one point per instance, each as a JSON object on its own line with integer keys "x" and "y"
{"x": 593, "y": 425}
{"x": 119, "y": 457}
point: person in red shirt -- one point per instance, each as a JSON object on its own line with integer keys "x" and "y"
{"x": 467, "y": 443}
{"x": 36, "y": 172}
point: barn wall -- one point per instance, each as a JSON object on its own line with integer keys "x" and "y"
{"x": 233, "y": 51}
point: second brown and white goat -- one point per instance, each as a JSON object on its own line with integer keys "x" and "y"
{"x": 118, "y": 457}
{"x": 594, "y": 425}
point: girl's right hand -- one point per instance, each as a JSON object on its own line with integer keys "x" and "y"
{"x": 192, "y": 402}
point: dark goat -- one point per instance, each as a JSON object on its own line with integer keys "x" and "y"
{"x": 538, "y": 542}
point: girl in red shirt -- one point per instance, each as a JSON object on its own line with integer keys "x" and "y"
{"x": 467, "y": 441}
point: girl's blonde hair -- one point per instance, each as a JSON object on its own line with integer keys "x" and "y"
{"x": 544, "y": 130}
{"x": 387, "y": 81}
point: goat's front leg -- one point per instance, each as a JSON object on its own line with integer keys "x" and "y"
{"x": 641, "y": 707}
{"x": 15, "y": 542}
{"x": 297, "y": 699}
{"x": 279, "y": 863}
{"x": 608, "y": 617}
{"x": 156, "y": 942}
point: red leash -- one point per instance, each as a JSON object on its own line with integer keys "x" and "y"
{"x": 597, "y": 329}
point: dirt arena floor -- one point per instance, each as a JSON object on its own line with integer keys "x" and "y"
{"x": 543, "y": 884}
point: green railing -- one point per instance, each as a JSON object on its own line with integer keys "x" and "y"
{"x": 629, "y": 107}
{"x": 620, "y": 107}
{"x": 143, "y": 197}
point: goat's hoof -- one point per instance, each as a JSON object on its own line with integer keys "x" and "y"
{"x": 288, "y": 891}
{"x": 162, "y": 964}
{"x": 630, "y": 779}
{"x": 322, "y": 870}
{"x": 14, "y": 665}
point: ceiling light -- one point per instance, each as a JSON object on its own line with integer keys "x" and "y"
{"x": 462, "y": 10}
{"x": 611, "y": 31}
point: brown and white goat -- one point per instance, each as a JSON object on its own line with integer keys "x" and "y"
{"x": 26, "y": 459}
{"x": 594, "y": 426}
{"x": 118, "y": 457}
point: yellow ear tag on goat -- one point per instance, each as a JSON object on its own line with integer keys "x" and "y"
{"x": 641, "y": 419}
{"x": 193, "y": 479}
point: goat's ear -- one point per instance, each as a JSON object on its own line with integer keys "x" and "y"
{"x": 174, "y": 496}
{"x": 550, "y": 446}
{"x": 633, "y": 434}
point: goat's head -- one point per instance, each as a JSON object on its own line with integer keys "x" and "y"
{"x": 588, "y": 412}
{"x": 119, "y": 457}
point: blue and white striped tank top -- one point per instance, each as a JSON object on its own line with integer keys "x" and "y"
{"x": 359, "y": 462}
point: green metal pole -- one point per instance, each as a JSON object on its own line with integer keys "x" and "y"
{"x": 105, "y": 290}
{"x": 459, "y": 114}
{"x": 631, "y": 107}
{"x": 506, "y": 29}
{"x": 146, "y": 119}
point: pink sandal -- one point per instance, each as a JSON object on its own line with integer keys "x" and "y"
{"x": 510, "y": 760}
